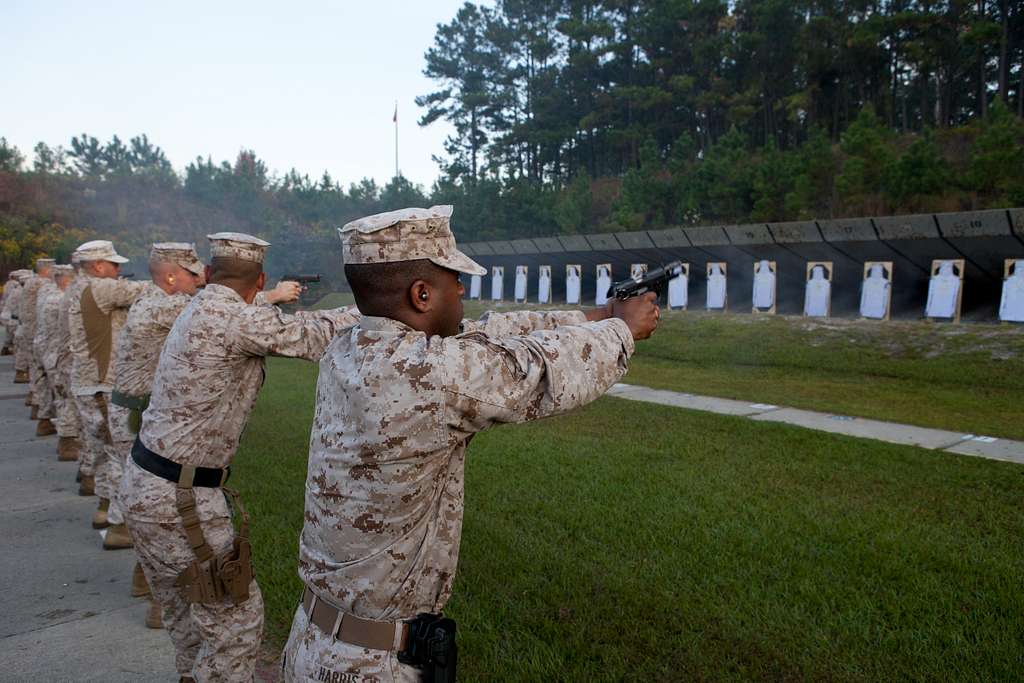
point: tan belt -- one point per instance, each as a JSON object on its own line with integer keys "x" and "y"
{"x": 348, "y": 628}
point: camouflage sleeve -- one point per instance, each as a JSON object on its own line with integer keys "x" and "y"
{"x": 261, "y": 299}
{"x": 266, "y": 331}
{"x": 520, "y": 378}
{"x": 521, "y": 322}
{"x": 168, "y": 309}
{"x": 111, "y": 294}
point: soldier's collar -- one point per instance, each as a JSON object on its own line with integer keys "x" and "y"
{"x": 222, "y": 292}
{"x": 381, "y": 324}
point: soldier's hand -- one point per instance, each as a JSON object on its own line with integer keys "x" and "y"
{"x": 285, "y": 293}
{"x": 640, "y": 313}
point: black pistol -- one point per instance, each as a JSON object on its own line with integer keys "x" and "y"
{"x": 653, "y": 281}
{"x": 302, "y": 279}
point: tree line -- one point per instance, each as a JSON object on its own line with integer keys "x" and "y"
{"x": 649, "y": 112}
{"x": 575, "y": 116}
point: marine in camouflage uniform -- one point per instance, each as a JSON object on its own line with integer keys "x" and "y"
{"x": 21, "y": 356}
{"x": 207, "y": 379}
{"x": 176, "y": 273}
{"x": 27, "y": 353}
{"x": 47, "y": 343}
{"x": 68, "y": 422}
{"x": 399, "y": 396}
{"x": 9, "y": 306}
{"x": 95, "y": 320}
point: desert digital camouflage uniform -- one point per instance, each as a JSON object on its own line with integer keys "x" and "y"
{"x": 68, "y": 422}
{"x": 27, "y": 330}
{"x": 22, "y": 345}
{"x": 138, "y": 349}
{"x": 45, "y": 343}
{"x": 207, "y": 379}
{"x": 92, "y": 377}
{"x": 13, "y": 312}
{"x": 394, "y": 413}
{"x": 114, "y": 297}
{"x": 9, "y": 306}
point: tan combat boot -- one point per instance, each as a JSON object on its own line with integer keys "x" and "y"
{"x": 87, "y": 486}
{"x": 154, "y": 618}
{"x": 99, "y": 517}
{"x": 67, "y": 449}
{"x": 21, "y": 377}
{"x": 45, "y": 427}
{"x": 117, "y": 538}
{"x": 140, "y": 587}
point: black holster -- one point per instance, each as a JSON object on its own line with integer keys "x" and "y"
{"x": 430, "y": 647}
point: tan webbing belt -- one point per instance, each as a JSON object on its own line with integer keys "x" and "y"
{"x": 348, "y": 628}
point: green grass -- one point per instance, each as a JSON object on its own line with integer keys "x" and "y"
{"x": 966, "y": 378}
{"x": 334, "y": 300}
{"x": 637, "y": 542}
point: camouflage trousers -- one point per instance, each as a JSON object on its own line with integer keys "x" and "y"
{"x": 117, "y": 453}
{"x": 312, "y": 655}
{"x": 102, "y": 422}
{"x": 22, "y": 350}
{"x": 217, "y": 642}
{"x": 64, "y": 402}
{"x": 39, "y": 387}
{"x": 95, "y": 433}
{"x": 11, "y": 328}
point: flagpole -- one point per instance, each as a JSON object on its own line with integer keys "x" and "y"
{"x": 396, "y": 138}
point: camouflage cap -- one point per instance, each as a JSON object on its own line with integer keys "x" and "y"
{"x": 99, "y": 250}
{"x": 45, "y": 263}
{"x": 22, "y": 274}
{"x": 406, "y": 235}
{"x": 179, "y": 253}
{"x": 237, "y": 245}
{"x": 63, "y": 270}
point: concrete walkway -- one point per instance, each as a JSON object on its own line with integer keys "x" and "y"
{"x": 908, "y": 435}
{"x": 67, "y": 614}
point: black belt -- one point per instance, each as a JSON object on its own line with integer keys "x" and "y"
{"x": 211, "y": 477}
{"x": 139, "y": 403}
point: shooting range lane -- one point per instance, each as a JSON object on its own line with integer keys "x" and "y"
{"x": 984, "y": 239}
{"x": 67, "y": 615}
{"x": 891, "y": 432}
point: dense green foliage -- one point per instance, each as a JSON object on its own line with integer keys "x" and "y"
{"x": 596, "y": 115}
{"x": 707, "y": 110}
{"x": 713, "y": 548}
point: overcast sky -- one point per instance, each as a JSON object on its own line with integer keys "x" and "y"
{"x": 310, "y": 85}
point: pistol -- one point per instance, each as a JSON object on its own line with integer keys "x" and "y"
{"x": 302, "y": 279}
{"x": 653, "y": 281}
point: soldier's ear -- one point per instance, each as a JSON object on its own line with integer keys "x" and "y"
{"x": 419, "y": 296}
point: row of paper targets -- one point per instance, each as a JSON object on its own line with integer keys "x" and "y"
{"x": 945, "y": 288}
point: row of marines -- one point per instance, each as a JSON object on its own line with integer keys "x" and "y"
{"x": 150, "y": 385}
